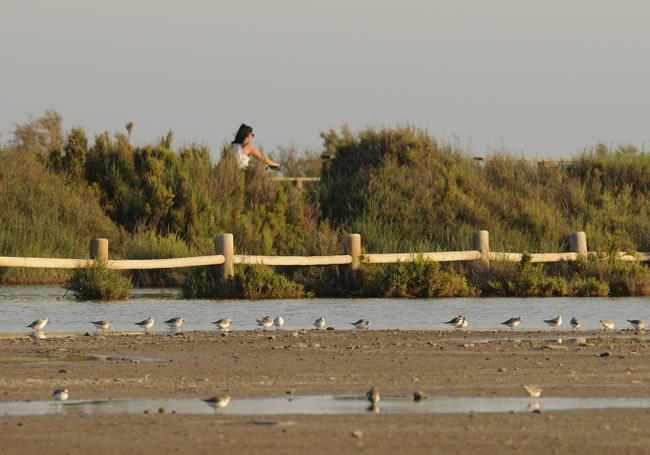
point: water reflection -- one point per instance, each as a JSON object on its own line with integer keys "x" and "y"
{"x": 321, "y": 405}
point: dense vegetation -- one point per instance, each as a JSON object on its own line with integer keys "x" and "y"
{"x": 399, "y": 188}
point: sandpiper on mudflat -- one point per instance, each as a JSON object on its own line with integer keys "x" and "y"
{"x": 319, "y": 323}
{"x": 219, "y": 401}
{"x": 222, "y": 324}
{"x": 556, "y": 322}
{"x": 102, "y": 325}
{"x": 265, "y": 322}
{"x": 638, "y": 324}
{"x": 513, "y": 322}
{"x": 38, "y": 324}
{"x": 457, "y": 322}
{"x": 279, "y": 322}
{"x": 575, "y": 323}
{"x": 147, "y": 323}
{"x": 607, "y": 324}
{"x": 60, "y": 394}
{"x": 175, "y": 323}
{"x": 361, "y": 324}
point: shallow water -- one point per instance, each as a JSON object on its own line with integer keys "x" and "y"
{"x": 319, "y": 405}
{"x": 20, "y": 305}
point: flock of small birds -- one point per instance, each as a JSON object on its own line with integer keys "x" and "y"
{"x": 461, "y": 322}
{"x": 176, "y": 323}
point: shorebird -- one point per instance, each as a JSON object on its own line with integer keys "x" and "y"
{"x": 265, "y": 322}
{"x": 60, "y": 394}
{"x": 464, "y": 323}
{"x": 575, "y": 323}
{"x": 419, "y": 396}
{"x": 175, "y": 323}
{"x": 102, "y": 325}
{"x": 361, "y": 324}
{"x": 38, "y": 324}
{"x": 147, "y": 323}
{"x": 373, "y": 395}
{"x": 533, "y": 391}
{"x": 222, "y": 324}
{"x": 319, "y": 323}
{"x": 608, "y": 324}
{"x": 219, "y": 401}
{"x": 513, "y": 322}
{"x": 279, "y": 322}
{"x": 638, "y": 324}
{"x": 556, "y": 322}
{"x": 457, "y": 322}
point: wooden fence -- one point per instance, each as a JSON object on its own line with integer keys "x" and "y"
{"x": 225, "y": 258}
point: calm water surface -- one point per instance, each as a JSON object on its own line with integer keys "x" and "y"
{"x": 320, "y": 404}
{"x": 20, "y": 305}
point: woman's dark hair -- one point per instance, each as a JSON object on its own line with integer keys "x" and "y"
{"x": 243, "y": 131}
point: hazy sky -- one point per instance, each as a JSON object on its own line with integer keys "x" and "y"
{"x": 546, "y": 78}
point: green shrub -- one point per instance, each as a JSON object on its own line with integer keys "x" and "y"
{"x": 413, "y": 279}
{"x": 99, "y": 282}
{"x": 249, "y": 282}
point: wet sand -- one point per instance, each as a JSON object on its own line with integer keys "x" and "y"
{"x": 202, "y": 364}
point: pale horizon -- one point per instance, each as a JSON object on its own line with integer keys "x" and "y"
{"x": 546, "y": 80}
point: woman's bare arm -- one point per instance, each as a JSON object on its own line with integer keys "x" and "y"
{"x": 253, "y": 151}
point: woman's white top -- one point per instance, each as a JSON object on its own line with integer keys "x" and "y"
{"x": 242, "y": 158}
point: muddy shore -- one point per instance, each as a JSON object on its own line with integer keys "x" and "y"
{"x": 202, "y": 364}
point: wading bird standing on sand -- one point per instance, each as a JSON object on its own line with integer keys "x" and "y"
{"x": 361, "y": 324}
{"x": 279, "y": 322}
{"x": 556, "y": 322}
{"x": 104, "y": 326}
{"x": 175, "y": 323}
{"x": 319, "y": 323}
{"x": 575, "y": 323}
{"x": 222, "y": 324}
{"x": 38, "y": 324}
{"x": 638, "y": 324}
{"x": 457, "y": 322}
{"x": 513, "y": 322}
{"x": 60, "y": 395}
{"x": 265, "y": 322}
{"x": 220, "y": 401}
{"x": 608, "y": 324}
{"x": 533, "y": 391}
{"x": 147, "y": 323}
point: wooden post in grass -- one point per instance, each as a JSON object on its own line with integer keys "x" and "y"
{"x": 578, "y": 243}
{"x": 352, "y": 246}
{"x": 481, "y": 243}
{"x": 225, "y": 246}
{"x": 99, "y": 249}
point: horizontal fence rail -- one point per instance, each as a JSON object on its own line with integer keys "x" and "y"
{"x": 225, "y": 259}
{"x": 342, "y": 259}
{"x": 443, "y": 256}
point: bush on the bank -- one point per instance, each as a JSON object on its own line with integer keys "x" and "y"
{"x": 149, "y": 245}
{"x": 413, "y": 279}
{"x": 249, "y": 282}
{"x": 99, "y": 282}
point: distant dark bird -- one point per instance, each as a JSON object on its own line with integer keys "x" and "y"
{"x": 457, "y": 322}
{"x": 373, "y": 395}
{"x": 38, "y": 324}
{"x": 575, "y": 323}
{"x": 513, "y": 322}
{"x": 361, "y": 324}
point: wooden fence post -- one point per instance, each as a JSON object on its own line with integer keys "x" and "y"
{"x": 99, "y": 249}
{"x": 481, "y": 243}
{"x": 352, "y": 246}
{"x": 224, "y": 245}
{"x": 578, "y": 243}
